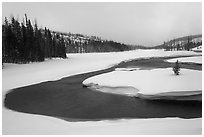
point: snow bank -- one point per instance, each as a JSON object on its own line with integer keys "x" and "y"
{"x": 157, "y": 82}
{"x": 127, "y": 69}
{"x": 197, "y": 49}
{"x": 196, "y": 59}
{"x": 14, "y": 76}
{"x": 24, "y": 124}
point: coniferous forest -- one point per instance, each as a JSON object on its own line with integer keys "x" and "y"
{"x": 23, "y": 42}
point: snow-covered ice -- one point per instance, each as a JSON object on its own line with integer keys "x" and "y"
{"x": 155, "y": 82}
{"x": 14, "y": 76}
{"x": 196, "y": 59}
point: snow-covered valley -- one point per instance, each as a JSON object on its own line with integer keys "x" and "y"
{"x": 15, "y": 76}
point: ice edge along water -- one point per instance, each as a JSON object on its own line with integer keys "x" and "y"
{"x": 14, "y": 76}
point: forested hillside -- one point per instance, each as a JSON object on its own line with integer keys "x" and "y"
{"x": 23, "y": 42}
{"x": 182, "y": 43}
{"x": 79, "y": 43}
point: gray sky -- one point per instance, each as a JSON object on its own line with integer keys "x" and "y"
{"x": 131, "y": 23}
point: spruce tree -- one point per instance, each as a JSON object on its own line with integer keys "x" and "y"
{"x": 176, "y": 68}
{"x": 24, "y": 53}
{"x": 4, "y": 40}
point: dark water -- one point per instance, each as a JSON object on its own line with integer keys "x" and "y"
{"x": 68, "y": 99}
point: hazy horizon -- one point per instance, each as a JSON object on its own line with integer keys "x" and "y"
{"x": 135, "y": 23}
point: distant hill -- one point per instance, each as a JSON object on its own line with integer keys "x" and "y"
{"x": 182, "y": 41}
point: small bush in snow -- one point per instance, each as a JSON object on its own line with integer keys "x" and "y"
{"x": 176, "y": 68}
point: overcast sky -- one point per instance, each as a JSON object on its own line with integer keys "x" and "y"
{"x": 131, "y": 23}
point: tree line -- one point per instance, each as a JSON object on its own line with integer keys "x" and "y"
{"x": 96, "y": 46}
{"x": 23, "y": 42}
{"x": 79, "y": 43}
{"x": 175, "y": 45}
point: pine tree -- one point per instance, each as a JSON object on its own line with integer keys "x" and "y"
{"x": 30, "y": 34}
{"x": 49, "y": 46}
{"x": 54, "y": 51}
{"x": 42, "y": 48}
{"x": 178, "y": 46}
{"x": 4, "y": 40}
{"x": 18, "y": 36}
{"x": 62, "y": 48}
{"x": 37, "y": 45}
{"x": 9, "y": 42}
{"x": 164, "y": 45}
{"x": 176, "y": 68}
{"x": 24, "y": 53}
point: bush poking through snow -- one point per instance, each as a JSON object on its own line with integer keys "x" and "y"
{"x": 176, "y": 68}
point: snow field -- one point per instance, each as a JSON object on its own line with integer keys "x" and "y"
{"x": 14, "y": 76}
